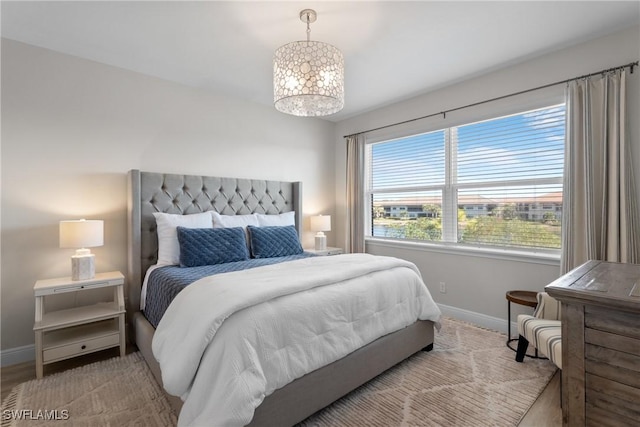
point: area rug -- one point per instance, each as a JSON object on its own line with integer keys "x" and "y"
{"x": 469, "y": 379}
{"x": 117, "y": 392}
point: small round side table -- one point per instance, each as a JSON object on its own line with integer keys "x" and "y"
{"x": 528, "y": 298}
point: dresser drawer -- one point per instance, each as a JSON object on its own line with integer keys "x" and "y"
{"x": 613, "y": 341}
{"x": 609, "y": 403}
{"x": 81, "y": 347}
{"x": 617, "y": 322}
{"x": 612, "y": 364}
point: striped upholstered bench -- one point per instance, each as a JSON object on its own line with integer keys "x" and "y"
{"x": 543, "y": 330}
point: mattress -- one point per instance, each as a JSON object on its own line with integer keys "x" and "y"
{"x": 167, "y": 282}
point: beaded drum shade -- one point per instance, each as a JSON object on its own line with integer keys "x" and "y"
{"x": 308, "y": 76}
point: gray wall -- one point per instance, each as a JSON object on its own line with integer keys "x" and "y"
{"x": 72, "y": 128}
{"x": 476, "y": 283}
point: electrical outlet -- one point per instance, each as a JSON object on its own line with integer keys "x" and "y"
{"x": 443, "y": 288}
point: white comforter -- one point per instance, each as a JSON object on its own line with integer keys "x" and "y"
{"x": 228, "y": 341}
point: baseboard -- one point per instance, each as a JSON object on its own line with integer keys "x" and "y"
{"x": 489, "y": 322}
{"x": 13, "y": 356}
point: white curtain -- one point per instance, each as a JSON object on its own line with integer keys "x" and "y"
{"x": 355, "y": 193}
{"x": 599, "y": 220}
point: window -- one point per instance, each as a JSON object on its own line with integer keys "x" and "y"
{"x": 493, "y": 183}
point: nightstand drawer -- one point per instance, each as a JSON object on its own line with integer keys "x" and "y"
{"x": 326, "y": 252}
{"x": 334, "y": 251}
{"x": 80, "y": 347}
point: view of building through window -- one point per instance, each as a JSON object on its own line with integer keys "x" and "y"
{"x": 497, "y": 182}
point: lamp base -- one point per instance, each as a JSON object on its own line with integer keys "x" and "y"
{"x": 321, "y": 242}
{"x": 83, "y": 267}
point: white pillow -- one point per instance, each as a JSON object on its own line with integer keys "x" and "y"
{"x": 227, "y": 221}
{"x": 287, "y": 218}
{"x": 168, "y": 246}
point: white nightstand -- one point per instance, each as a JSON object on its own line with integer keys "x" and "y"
{"x": 326, "y": 252}
{"x": 63, "y": 334}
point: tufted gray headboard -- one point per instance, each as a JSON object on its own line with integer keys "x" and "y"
{"x": 150, "y": 192}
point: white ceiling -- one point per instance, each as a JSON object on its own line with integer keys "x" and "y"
{"x": 393, "y": 50}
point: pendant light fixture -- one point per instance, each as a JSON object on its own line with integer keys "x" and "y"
{"x": 308, "y": 76}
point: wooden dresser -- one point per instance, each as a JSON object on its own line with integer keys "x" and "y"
{"x": 600, "y": 344}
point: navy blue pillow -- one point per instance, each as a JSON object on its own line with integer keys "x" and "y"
{"x": 270, "y": 242}
{"x": 208, "y": 246}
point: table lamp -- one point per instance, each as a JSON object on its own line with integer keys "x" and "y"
{"x": 321, "y": 223}
{"x": 80, "y": 235}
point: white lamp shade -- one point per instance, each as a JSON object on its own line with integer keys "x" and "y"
{"x": 308, "y": 79}
{"x": 321, "y": 223}
{"x": 81, "y": 233}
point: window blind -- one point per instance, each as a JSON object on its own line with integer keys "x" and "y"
{"x": 522, "y": 146}
{"x": 412, "y": 162}
{"x": 497, "y": 182}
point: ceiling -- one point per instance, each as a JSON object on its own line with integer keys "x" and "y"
{"x": 393, "y": 50}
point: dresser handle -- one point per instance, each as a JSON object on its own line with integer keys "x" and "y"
{"x": 83, "y": 347}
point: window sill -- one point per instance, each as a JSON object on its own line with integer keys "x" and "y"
{"x": 547, "y": 258}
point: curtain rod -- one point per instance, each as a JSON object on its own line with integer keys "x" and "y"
{"x": 631, "y": 65}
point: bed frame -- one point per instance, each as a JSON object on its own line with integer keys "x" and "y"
{"x": 150, "y": 192}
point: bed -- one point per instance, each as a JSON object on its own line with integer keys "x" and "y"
{"x": 188, "y": 194}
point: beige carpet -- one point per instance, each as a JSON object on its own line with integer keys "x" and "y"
{"x": 115, "y": 392}
{"x": 469, "y": 379}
